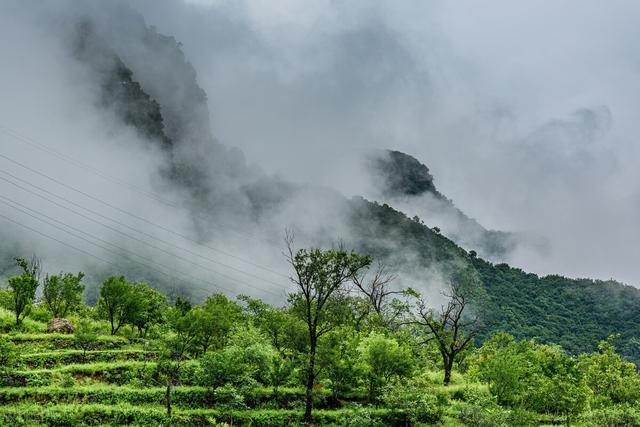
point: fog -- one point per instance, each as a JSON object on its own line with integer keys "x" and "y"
{"x": 524, "y": 112}
{"x": 524, "y": 115}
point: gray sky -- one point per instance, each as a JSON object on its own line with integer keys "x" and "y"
{"x": 524, "y": 111}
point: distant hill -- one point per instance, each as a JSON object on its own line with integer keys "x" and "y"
{"x": 404, "y": 181}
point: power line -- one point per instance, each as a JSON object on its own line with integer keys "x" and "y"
{"x": 91, "y": 254}
{"x": 134, "y": 215}
{"x": 126, "y": 226}
{"x": 108, "y": 177}
{"x": 11, "y": 204}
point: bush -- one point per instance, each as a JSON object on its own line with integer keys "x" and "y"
{"x": 39, "y": 313}
{"x": 613, "y": 416}
{"x": 8, "y": 354}
{"x": 416, "y": 399}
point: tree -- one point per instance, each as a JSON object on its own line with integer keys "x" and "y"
{"x": 383, "y": 359}
{"x": 62, "y": 293}
{"x": 338, "y": 359}
{"x": 23, "y": 287}
{"x": 378, "y": 292}
{"x": 118, "y": 302}
{"x": 213, "y": 321}
{"x": 245, "y": 360}
{"x": 85, "y": 337}
{"x": 450, "y": 328}
{"x": 537, "y": 377}
{"x": 612, "y": 380}
{"x": 319, "y": 275}
{"x": 174, "y": 349}
{"x": 151, "y": 307}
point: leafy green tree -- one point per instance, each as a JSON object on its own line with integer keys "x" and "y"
{"x": 62, "y": 293}
{"x": 338, "y": 359}
{"x": 319, "y": 276}
{"x": 152, "y": 305}
{"x": 532, "y": 376}
{"x": 559, "y": 387}
{"x": 23, "y": 287}
{"x": 118, "y": 302}
{"x": 174, "y": 349}
{"x": 505, "y": 365}
{"x": 383, "y": 359}
{"x": 246, "y": 360}
{"x": 285, "y": 331}
{"x": 213, "y": 321}
{"x": 183, "y": 305}
{"x": 611, "y": 379}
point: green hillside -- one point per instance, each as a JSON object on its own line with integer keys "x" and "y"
{"x": 242, "y": 362}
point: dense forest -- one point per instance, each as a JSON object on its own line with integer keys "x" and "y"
{"x": 345, "y": 348}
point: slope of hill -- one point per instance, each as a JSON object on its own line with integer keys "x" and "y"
{"x": 404, "y": 181}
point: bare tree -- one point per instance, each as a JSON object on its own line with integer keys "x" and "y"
{"x": 375, "y": 285}
{"x": 451, "y": 328}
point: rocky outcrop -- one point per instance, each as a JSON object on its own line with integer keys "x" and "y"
{"x": 60, "y": 325}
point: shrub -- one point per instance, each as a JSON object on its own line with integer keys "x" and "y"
{"x": 612, "y": 416}
{"x": 418, "y": 401}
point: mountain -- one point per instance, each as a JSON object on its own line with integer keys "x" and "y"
{"x": 146, "y": 81}
{"x": 404, "y": 181}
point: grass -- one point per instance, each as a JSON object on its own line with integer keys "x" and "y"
{"x": 118, "y": 414}
{"x": 52, "y": 359}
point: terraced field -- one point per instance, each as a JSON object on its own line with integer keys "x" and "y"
{"x": 55, "y": 384}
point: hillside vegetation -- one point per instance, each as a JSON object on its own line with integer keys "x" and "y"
{"x": 363, "y": 354}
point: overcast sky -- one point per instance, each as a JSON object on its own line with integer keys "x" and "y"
{"x": 525, "y": 112}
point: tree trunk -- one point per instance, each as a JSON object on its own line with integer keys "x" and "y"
{"x": 167, "y": 398}
{"x": 310, "y": 381}
{"x": 448, "y": 367}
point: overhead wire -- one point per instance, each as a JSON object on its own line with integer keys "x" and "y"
{"x": 122, "y": 224}
{"x": 35, "y": 214}
{"x": 153, "y": 195}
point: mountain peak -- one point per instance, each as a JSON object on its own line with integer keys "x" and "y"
{"x": 403, "y": 175}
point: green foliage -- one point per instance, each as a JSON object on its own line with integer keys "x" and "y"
{"x": 574, "y": 313}
{"x": 243, "y": 364}
{"x": 23, "y": 288}
{"x": 150, "y": 309}
{"x": 611, "y": 379}
{"x": 85, "y": 337}
{"x": 118, "y": 302}
{"x": 213, "y": 321}
{"x": 417, "y": 399}
{"x": 612, "y": 416}
{"x": 383, "y": 359}
{"x": 62, "y": 293}
{"x": 532, "y": 376}
{"x": 8, "y": 354}
{"x": 246, "y": 360}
